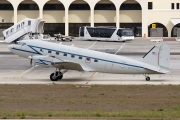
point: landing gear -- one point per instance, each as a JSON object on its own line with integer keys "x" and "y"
{"x": 147, "y": 78}
{"x": 57, "y": 75}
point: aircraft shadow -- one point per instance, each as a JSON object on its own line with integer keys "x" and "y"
{"x": 94, "y": 80}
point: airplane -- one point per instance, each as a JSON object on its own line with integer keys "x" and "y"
{"x": 64, "y": 58}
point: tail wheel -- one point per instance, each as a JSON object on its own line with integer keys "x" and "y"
{"x": 147, "y": 78}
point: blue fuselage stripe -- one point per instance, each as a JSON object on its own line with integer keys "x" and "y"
{"x": 23, "y": 50}
{"x": 36, "y": 52}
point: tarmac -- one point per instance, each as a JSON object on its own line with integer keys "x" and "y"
{"x": 17, "y": 70}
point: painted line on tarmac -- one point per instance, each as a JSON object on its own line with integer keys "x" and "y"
{"x": 25, "y": 72}
{"x": 119, "y": 49}
{"x": 94, "y": 75}
{"x": 92, "y": 45}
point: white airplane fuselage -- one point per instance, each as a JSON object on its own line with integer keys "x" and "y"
{"x": 47, "y": 53}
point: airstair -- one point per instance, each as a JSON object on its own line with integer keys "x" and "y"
{"x": 25, "y": 29}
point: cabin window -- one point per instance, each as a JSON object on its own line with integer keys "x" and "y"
{"x": 72, "y": 56}
{"x": 80, "y": 57}
{"x": 65, "y": 54}
{"x": 95, "y": 60}
{"x": 57, "y": 53}
{"x": 23, "y": 44}
{"x": 41, "y": 50}
{"x": 49, "y": 51}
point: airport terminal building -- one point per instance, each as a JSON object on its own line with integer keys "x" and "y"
{"x": 153, "y": 18}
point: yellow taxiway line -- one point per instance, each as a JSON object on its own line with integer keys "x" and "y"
{"x": 25, "y": 72}
{"x": 94, "y": 75}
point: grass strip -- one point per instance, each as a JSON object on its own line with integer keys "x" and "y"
{"x": 164, "y": 114}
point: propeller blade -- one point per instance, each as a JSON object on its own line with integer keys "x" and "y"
{"x": 31, "y": 62}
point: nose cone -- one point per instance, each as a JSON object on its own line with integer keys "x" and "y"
{"x": 11, "y": 47}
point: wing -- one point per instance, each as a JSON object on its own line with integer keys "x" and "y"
{"x": 68, "y": 66}
{"x": 59, "y": 63}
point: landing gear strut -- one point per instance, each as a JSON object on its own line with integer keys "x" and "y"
{"x": 57, "y": 75}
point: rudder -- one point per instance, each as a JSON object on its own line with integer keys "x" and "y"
{"x": 164, "y": 56}
{"x": 159, "y": 55}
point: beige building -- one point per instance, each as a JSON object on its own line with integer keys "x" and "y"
{"x": 66, "y": 16}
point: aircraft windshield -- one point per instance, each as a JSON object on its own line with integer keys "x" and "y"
{"x": 20, "y": 43}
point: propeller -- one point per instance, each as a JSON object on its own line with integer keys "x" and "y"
{"x": 31, "y": 62}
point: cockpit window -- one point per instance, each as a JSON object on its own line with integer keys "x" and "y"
{"x": 19, "y": 43}
{"x": 23, "y": 44}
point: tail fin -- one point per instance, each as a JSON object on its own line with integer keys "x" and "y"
{"x": 159, "y": 55}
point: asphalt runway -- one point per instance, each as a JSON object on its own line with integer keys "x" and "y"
{"x": 17, "y": 70}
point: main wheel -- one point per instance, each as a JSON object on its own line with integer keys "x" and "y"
{"x": 60, "y": 75}
{"x": 147, "y": 78}
{"x": 53, "y": 77}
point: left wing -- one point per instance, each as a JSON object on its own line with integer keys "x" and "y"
{"x": 68, "y": 66}
{"x": 58, "y": 63}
